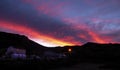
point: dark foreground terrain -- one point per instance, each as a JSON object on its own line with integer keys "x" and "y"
{"x": 90, "y": 56}
{"x": 56, "y": 65}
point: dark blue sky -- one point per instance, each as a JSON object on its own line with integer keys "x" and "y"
{"x": 62, "y": 22}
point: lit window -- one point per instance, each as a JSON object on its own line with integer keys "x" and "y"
{"x": 69, "y": 50}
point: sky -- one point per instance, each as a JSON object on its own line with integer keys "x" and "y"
{"x": 62, "y": 22}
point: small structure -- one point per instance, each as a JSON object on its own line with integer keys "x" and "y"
{"x": 15, "y": 53}
{"x": 35, "y": 57}
{"x": 53, "y": 55}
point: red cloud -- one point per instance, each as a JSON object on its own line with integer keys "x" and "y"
{"x": 32, "y": 34}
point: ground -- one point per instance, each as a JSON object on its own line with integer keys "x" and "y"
{"x": 84, "y": 66}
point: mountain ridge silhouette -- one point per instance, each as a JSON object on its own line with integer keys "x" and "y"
{"x": 20, "y": 41}
{"x": 88, "y": 50}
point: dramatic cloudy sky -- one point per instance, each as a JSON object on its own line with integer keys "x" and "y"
{"x": 62, "y": 22}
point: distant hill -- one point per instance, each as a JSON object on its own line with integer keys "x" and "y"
{"x": 20, "y": 41}
{"x": 97, "y": 52}
{"x": 92, "y": 52}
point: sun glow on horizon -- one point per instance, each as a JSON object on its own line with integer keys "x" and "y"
{"x": 32, "y": 34}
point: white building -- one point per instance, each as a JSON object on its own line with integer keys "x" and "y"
{"x": 16, "y": 53}
{"x": 53, "y": 55}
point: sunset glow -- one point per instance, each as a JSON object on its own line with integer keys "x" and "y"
{"x": 62, "y": 22}
{"x": 33, "y": 35}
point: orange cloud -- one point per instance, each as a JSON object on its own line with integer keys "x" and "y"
{"x": 32, "y": 34}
